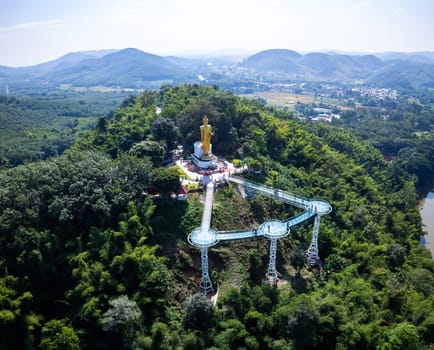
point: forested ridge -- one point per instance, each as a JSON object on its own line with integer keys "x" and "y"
{"x": 90, "y": 260}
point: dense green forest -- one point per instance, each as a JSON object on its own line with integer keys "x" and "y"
{"x": 90, "y": 260}
{"x": 42, "y": 125}
{"x": 403, "y": 133}
{"x": 401, "y": 129}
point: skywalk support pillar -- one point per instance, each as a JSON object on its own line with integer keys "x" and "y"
{"x": 205, "y": 281}
{"x": 206, "y": 238}
{"x": 272, "y": 272}
{"x": 312, "y": 251}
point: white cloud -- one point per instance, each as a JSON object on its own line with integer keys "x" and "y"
{"x": 398, "y": 10}
{"x": 31, "y": 25}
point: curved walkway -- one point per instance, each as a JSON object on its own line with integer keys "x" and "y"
{"x": 205, "y": 237}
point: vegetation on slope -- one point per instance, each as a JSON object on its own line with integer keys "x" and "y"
{"x": 404, "y": 133}
{"x": 42, "y": 126}
{"x": 87, "y": 254}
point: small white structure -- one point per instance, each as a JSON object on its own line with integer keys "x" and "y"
{"x": 181, "y": 193}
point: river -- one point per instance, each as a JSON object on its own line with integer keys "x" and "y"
{"x": 427, "y": 213}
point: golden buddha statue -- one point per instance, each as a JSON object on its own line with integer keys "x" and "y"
{"x": 205, "y": 137}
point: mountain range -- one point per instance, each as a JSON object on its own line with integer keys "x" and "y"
{"x": 394, "y": 70}
{"x": 313, "y": 65}
{"x": 137, "y": 69}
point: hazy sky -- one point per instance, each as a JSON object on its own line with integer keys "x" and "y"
{"x": 34, "y": 31}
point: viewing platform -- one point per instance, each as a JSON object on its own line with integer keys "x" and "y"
{"x": 201, "y": 239}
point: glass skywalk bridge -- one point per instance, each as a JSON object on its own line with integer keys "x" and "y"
{"x": 204, "y": 237}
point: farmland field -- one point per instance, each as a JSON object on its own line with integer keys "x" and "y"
{"x": 289, "y": 100}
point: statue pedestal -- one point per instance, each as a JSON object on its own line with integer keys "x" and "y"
{"x": 200, "y": 159}
{"x": 198, "y": 151}
{"x": 201, "y": 163}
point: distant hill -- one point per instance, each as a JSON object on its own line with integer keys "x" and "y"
{"x": 317, "y": 66}
{"x": 275, "y": 60}
{"x": 39, "y": 70}
{"x": 70, "y": 59}
{"x": 405, "y": 74}
{"x": 421, "y": 56}
{"x": 128, "y": 68}
{"x": 410, "y": 71}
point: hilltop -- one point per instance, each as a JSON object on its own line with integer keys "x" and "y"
{"x": 91, "y": 259}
